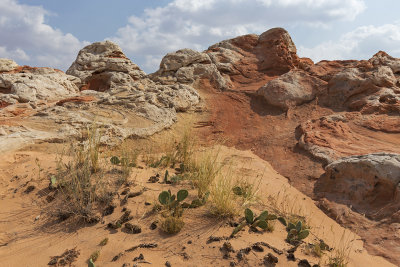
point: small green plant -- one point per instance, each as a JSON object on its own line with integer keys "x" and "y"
{"x": 104, "y": 242}
{"x": 173, "y": 203}
{"x": 53, "y": 182}
{"x": 317, "y": 248}
{"x": 95, "y": 255}
{"x": 222, "y": 199}
{"x": 296, "y": 231}
{"x": 249, "y": 219}
{"x": 91, "y": 263}
{"x": 172, "y": 222}
{"x": 166, "y": 175}
{"x": 248, "y": 191}
{"x": 198, "y": 202}
{"x": 115, "y": 160}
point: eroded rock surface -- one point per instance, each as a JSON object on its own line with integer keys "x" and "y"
{"x": 101, "y": 86}
{"x": 292, "y": 89}
{"x": 369, "y": 183}
{"x": 234, "y": 62}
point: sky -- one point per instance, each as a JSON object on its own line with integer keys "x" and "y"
{"x": 51, "y": 32}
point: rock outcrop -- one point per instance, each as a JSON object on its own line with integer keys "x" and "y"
{"x": 103, "y": 66}
{"x": 292, "y": 89}
{"x": 232, "y": 63}
{"x": 36, "y": 84}
{"x": 369, "y": 92}
{"x": 369, "y": 183}
{"x": 7, "y": 65}
{"x": 330, "y": 138}
{"x": 102, "y": 85}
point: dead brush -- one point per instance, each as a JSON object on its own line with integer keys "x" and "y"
{"x": 80, "y": 180}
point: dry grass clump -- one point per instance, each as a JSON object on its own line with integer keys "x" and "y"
{"x": 203, "y": 171}
{"x": 341, "y": 252}
{"x": 82, "y": 178}
{"x": 172, "y": 150}
{"x": 223, "y": 201}
{"x": 80, "y": 181}
{"x": 172, "y": 224}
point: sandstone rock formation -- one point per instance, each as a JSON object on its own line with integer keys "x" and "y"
{"x": 340, "y": 108}
{"x": 103, "y": 66}
{"x": 231, "y": 63}
{"x": 292, "y": 89}
{"x": 330, "y": 138}
{"x": 102, "y": 85}
{"x": 32, "y": 85}
{"x": 7, "y": 65}
{"x": 369, "y": 183}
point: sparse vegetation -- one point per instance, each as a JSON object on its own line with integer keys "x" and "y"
{"x": 261, "y": 221}
{"x": 172, "y": 225}
{"x": 341, "y": 252}
{"x": 104, "y": 242}
{"x": 248, "y": 191}
{"x": 296, "y": 231}
{"x": 222, "y": 199}
{"x": 81, "y": 180}
{"x": 317, "y": 248}
{"x": 172, "y": 221}
{"x": 204, "y": 170}
{"x": 95, "y": 255}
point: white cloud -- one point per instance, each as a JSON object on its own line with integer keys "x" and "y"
{"x": 196, "y": 24}
{"x": 360, "y": 43}
{"x": 27, "y": 39}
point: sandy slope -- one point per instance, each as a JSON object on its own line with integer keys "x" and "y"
{"x": 25, "y": 241}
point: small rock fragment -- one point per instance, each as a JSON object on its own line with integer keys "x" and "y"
{"x": 304, "y": 263}
{"x": 270, "y": 260}
{"x": 133, "y": 228}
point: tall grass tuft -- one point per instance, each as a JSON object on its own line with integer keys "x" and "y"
{"x": 203, "y": 171}
{"x": 222, "y": 198}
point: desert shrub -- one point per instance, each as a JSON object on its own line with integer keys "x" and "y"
{"x": 80, "y": 180}
{"x": 172, "y": 224}
{"x": 172, "y": 211}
